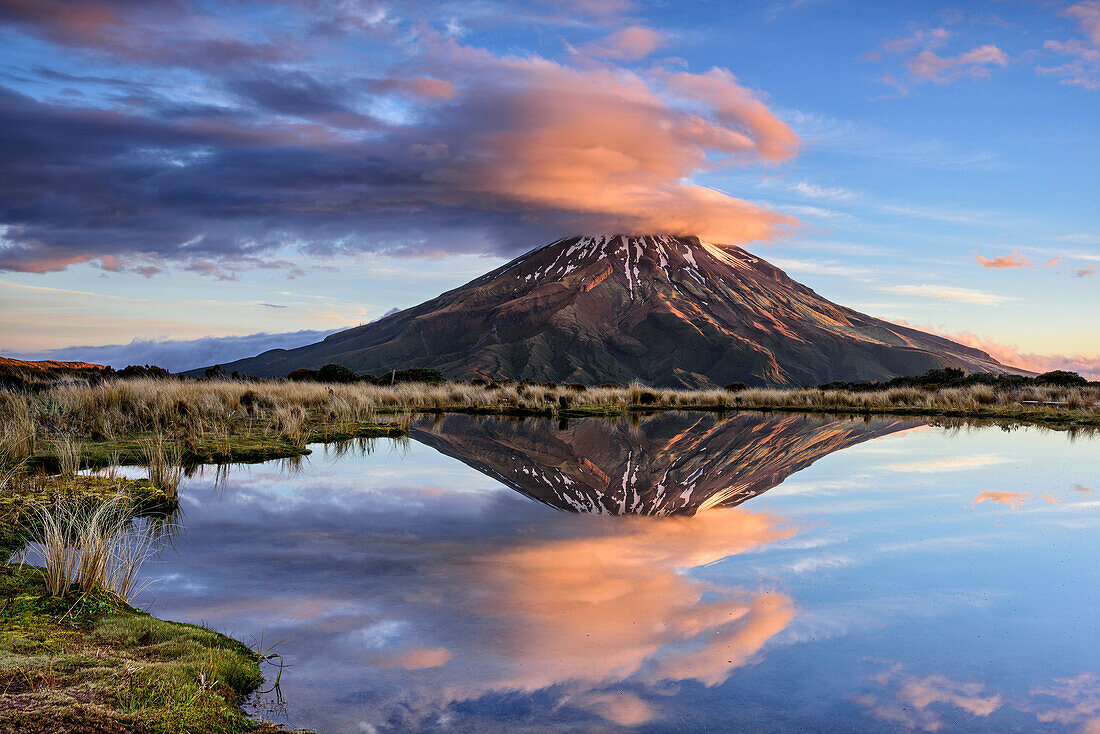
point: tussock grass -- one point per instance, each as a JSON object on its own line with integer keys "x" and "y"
{"x": 90, "y": 548}
{"x": 211, "y": 411}
{"x": 164, "y": 463}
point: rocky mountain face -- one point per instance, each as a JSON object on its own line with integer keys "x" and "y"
{"x": 670, "y": 311}
{"x": 668, "y": 464}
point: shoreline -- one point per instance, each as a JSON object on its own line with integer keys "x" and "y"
{"x": 219, "y": 422}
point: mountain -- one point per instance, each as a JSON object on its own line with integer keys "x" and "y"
{"x": 670, "y": 311}
{"x": 669, "y": 464}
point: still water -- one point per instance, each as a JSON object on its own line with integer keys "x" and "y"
{"x": 682, "y": 573}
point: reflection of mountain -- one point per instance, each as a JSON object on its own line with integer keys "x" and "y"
{"x": 674, "y": 463}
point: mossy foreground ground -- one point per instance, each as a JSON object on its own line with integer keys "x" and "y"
{"x": 91, "y": 663}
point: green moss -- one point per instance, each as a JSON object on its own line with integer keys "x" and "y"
{"x": 94, "y": 664}
{"x": 20, "y": 497}
{"x": 241, "y": 444}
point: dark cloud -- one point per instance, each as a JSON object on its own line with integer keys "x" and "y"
{"x": 448, "y": 148}
{"x": 179, "y": 355}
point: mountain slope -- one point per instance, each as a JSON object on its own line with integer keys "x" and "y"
{"x": 670, "y": 464}
{"x": 614, "y": 308}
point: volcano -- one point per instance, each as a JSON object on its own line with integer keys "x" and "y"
{"x": 669, "y": 311}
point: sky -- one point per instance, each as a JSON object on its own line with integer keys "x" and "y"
{"x": 177, "y": 170}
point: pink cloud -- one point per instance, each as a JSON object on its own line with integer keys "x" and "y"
{"x": 1088, "y": 17}
{"x": 628, "y": 44}
{"x": 1052, "y": 262}
{"x": 1087, "y": 366}
{"x": 924, "y": 64}
{"x": 929, "y": 67}
{"x": 1015, "y": 260}
{"x": 1083, "y": 67}
{"x": 1084, "y": 272}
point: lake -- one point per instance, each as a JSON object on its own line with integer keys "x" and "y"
{"x": 681, "y": 572}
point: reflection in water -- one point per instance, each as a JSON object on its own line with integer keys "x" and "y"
{"x": 673, "y": 463}
{"x": 420, "y": 595}
{"x": 1008, "y": 499}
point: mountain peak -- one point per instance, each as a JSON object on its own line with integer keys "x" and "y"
{"x": 668, "y": 310}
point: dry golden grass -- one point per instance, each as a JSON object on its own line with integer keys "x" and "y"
{"x": 212, "y": 410}
{"x": 90, "y": 548}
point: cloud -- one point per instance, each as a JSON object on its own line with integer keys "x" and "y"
{"x": 974, "y": 64}
{"x": 1088, "y": 366}
{"x": 1016, "y": 260}
{"x": 819, "y": 267}
{"x": 1084, "y": 272}
{"x": 946, "y": 293}
{"x": 947, "y": 465}
{"x": 1008, "y": 499}
{"x": 179, "y": 355}
{"x": 1071, "y": 700}
{"x": 453, "y": 149}
{"x": 627, "y": 44}
{"x": 909, "y": 699}
{"x": 418, "y": 659}
{"x": 1083, "y": 68}
{"x": 922, "y": 63}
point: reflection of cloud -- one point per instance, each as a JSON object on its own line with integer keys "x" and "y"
{"x": 1008, "y": 499}
{"x": 1078, "y": 701}
{"x": 621, "y": 707}
{"x": 945, "y": 465}
{"x": 418, "y": 659}
{"x": 909, "y": 698}
{"x": 578, "y": 592}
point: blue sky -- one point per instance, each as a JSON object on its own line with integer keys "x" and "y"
{"x": 185, "y": 169}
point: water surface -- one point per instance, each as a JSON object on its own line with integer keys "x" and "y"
{"x": 682, "y": 573}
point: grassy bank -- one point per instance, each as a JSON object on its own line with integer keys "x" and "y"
{"x": 221, "y": 420}
{"x": 91, "y": 663}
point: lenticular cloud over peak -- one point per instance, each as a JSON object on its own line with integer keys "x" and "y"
{"x": 446, "y": 145}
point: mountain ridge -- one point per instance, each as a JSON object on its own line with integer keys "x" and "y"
{"x": 670, "y": 311}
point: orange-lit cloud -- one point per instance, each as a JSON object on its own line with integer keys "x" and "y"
{"x": 1016, "y": 260}
{"x": 627, "y": 44}
{"x": 577, "y": 592}
{"x": 613, "y": 149}
{"x": 620, "y": 707}
{"x": 604, "y": 617}
{"x": 1052, "y": 262}
{"x": 1008, "y": 499}
{"x": 418, "y": 659}
{"x": 1083, "y": 272}
{"x": 470, "y": 149}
